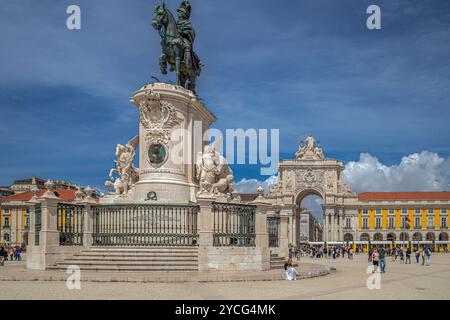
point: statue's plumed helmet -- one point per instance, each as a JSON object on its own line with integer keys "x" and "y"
{"x": 185, "y": 7}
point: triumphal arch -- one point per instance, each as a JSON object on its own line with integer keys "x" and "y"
{"x": 311, "y": 173}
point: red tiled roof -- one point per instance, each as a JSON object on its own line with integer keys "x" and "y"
{"x": 380, "y": 196}
{"x": 67, "y": 195}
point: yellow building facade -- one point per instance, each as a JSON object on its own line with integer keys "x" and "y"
{"x": 405, "y": 218}
{"x": 15, "y": 216}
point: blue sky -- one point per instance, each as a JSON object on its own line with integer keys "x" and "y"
{"x": 304, "y": 66}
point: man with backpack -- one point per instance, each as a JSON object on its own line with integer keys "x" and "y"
{"x": 427, "y": 254}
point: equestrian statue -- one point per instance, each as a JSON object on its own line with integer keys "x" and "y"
{"x": 177, "y": 39}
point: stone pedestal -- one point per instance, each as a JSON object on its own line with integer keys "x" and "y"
{"x": 172, "y": 126}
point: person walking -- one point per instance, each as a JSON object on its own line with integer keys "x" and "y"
{"x": 375, "y": 260}
{"x": 417, "y": 254}
{"x": 427, "y": 256}
{"x": 402, "y": 256}
{"x": 408, "y": 256}
{"x": 293, "y": 252}
{"x": 11, "y": 253}
{"x": 382, "y": 260}
{"x": 17, "y": 252}
{"x": 3, "y": 255}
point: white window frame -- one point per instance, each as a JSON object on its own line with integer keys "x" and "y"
{"x": 365, "y": 223}
{"x": 7, "y": 222}
{"x": 348, "y": 223}
{"x": 404, "y": 222}
{"x": 378, "y": 223}
{"x": 417, "y": 218}
{"x": 430, "y": 218}
{"x": 444, "y": 226}
{"x": 391, "y": 225}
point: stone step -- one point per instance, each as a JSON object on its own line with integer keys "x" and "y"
{"x": 132, "y": 258}
{"x": 141, "y": 250}
{"x": 135, "y": 256}
{"x": 113, "y": 268}
{"x": 127, "y": 263}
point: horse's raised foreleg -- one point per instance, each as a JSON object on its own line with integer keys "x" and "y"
{"x": 163, "y": 63}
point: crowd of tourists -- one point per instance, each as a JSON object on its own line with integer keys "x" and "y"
{"x": 376, "y": 256}
{"x": 403, "y": 255}
{"x": 334, "y": 252}
{"x": 10, "y": 253}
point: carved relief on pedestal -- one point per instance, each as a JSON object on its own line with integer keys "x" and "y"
{"x": 158, "y": 118}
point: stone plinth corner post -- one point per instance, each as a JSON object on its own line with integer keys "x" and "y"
{"x": 49, "y": 235}
{"x": 285, "y": 212}
{"x": 205, "y": 220}
{"x": 32, "y": 227}
{"x": 261, "y": 234}
{"x": 88, "y": 221}
{"x": 32, "y": 203}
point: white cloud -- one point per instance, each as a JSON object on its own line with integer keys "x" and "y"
{"x": 425, "y": 171}
{"x": 250, "y": 185}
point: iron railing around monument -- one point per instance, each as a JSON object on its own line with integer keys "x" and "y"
{"x": 70, "y": 219}
{"x": 37, "y": 223}
{"x": 272, "y": 229}
{"x": 145, "y": 225}
{"x": 234, "y": 224}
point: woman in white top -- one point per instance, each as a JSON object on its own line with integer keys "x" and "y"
{"x": 290, "y": 272}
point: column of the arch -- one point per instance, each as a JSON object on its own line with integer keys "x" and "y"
{"x": 333, "y": 226}
{"x": 340, "y": 236}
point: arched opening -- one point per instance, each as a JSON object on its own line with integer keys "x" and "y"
{"x": 417, "y": 236}
{"x": 364, "y": 237}
{"x": 430, "y": 236}
{"x": 348, "y": 237}
{"x": 404, "y": 236}
{"x": 443, "y": 236}
{"x": 378, "y": 237}
{"x": 391, "y": 237}
{"x": 309, "y": 214}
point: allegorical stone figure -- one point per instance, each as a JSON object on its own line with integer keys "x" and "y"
{"x": 128, "y": 174}
{"x": 213, "y": 172}
{"x": 177, "y": 39}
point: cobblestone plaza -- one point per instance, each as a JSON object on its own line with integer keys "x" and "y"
{"x": 348, "y": 281}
